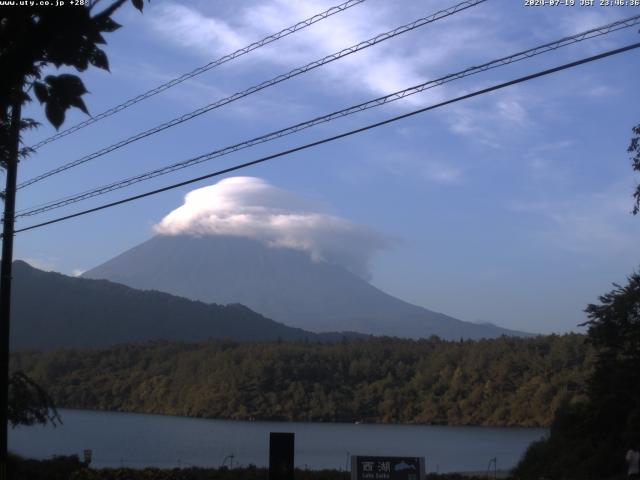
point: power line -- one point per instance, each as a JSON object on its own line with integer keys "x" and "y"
{"x": 256, "y": 88}
{"x": 592, "y": 33}
{"x": 339, "y": 136}
{"x": 215, "y": 63}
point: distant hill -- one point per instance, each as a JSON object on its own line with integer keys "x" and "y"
{"x": 282, "y": 284}
{"x": 51, "y": 310}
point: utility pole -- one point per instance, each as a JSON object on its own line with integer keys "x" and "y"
{"x": 5, "y": 277}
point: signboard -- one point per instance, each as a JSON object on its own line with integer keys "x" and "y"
{"x": 387, "y": 468}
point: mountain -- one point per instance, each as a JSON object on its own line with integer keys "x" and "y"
{"x": 280, "y": 283}
{"x": 50, "y": 310}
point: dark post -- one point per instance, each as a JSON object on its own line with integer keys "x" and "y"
{"x": 281, "y": 447}
{"x": 5, "y": 281}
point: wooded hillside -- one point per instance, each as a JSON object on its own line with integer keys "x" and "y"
{"x": 500, "y": 382}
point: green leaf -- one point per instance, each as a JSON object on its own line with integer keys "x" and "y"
{"x": 99, "y": 59}
{"x": 28, "y": 124}
{"x": 97, "y": 38}
{"x": 139, "y": 4}
{"x": 105, "y": 24}
{"x": 55, "y": 113}
{"x": 65, "y": 85}
{"x": 78, "y": 103}
{"x": 41, "y": 91}
{"x": 65, "y": 91}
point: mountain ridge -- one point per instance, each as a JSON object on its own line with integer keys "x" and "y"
{"x": 52, "y": 310}
{"x": 280, "y": 283}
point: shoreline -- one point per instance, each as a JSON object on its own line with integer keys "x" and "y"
{"x": 315, "y": 422}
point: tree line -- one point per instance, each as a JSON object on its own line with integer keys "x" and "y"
{"x": 589, "y": 438}
{"x": 500, "y": 382}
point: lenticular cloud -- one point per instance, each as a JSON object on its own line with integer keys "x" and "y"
{"x": 251, "y": 207}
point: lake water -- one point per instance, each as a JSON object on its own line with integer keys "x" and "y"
{"x": 138, "y": 440}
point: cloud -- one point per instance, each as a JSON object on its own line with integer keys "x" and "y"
{"x": 212, "y": 36}
{"x": 191, "y": 29}
{"x": 546, "y": 161}
{"x": 586, "y": 19}
{"x": 589, "y": 224}
{"x": 251, "y": 207}
{"x": 494, "y": 120}
{"x": 469, "y": 38}
{"x": 416, "y": 165}
{"x": 387, "y": 67}
{"x": 442, "y": 173}
{"x": 600, "y": 91}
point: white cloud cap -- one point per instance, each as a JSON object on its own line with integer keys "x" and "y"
{"x": 251, "y": 207}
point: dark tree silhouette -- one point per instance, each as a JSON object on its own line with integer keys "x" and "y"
{"x": 614, "y": 387}
{"x": 634, "y": 150}
{"x": 29, "y": 403}
{"x": 33, "y": 38}
{"x": 588, "y": 439}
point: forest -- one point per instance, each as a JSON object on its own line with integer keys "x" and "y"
{"x": 499, "y": 382}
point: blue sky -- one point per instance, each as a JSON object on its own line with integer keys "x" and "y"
{"x": 513, "y": 207}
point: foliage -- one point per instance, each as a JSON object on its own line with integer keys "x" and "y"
{"x": 195, "y": 473}
{"x": 589, "y": 439}
{"x": 57, "y": 468}
{"x": 33, "y": 37}
{"x": 634, "y": 150}
{"x": 614, "y": 387}
{"x": 70, "y": 468}
{"x": 29, "y": 403}
{"x": 506, "y": 381}
{"x": 36, "y": 37}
